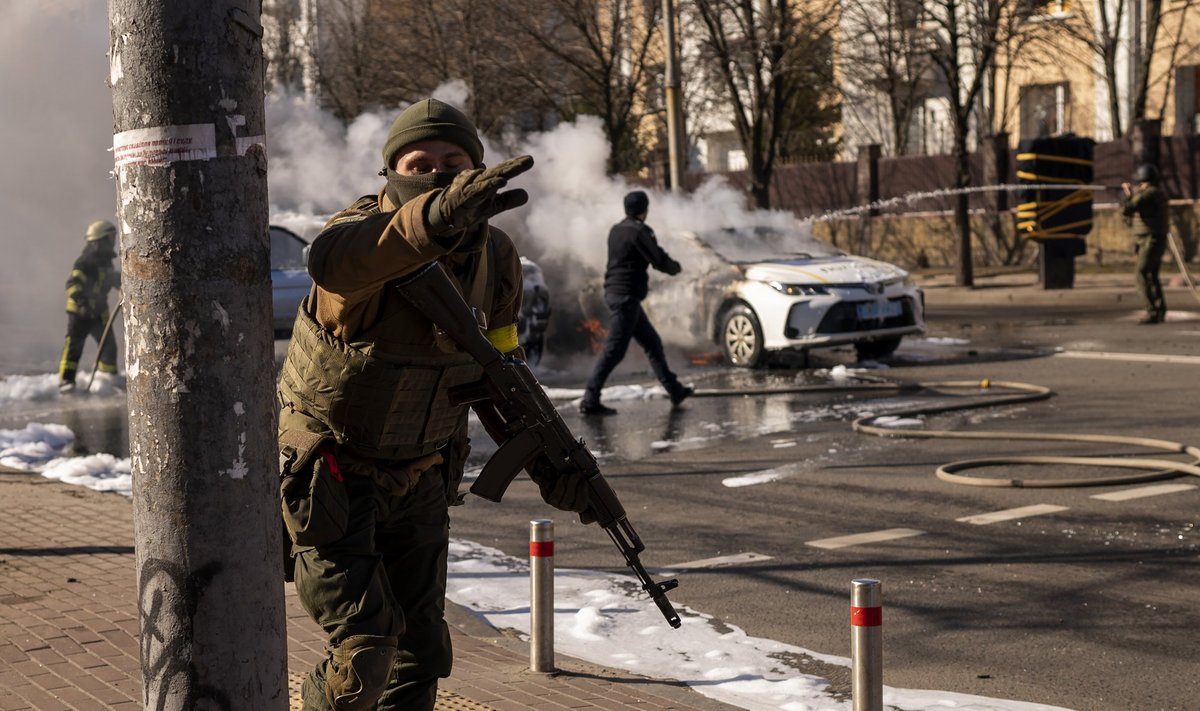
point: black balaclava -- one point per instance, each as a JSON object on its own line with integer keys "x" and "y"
{"x": 402, "y": 188}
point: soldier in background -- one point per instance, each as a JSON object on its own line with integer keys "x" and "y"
{"x": 92, "y": 277}
{"x": 1145, "y": 211}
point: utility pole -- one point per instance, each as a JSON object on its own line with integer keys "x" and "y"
{"x": 189, "y": 125}
{"x": 676, "y": 144}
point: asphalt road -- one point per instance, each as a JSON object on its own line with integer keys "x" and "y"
{"x": 1093, "y": 604}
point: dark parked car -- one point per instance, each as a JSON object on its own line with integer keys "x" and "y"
{"x": 535, "y": 312}
{"x": 290, "y": 281}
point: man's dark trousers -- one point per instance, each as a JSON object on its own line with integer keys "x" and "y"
{"x": 627, "y": 321}
{"x": 1150, "y": 249}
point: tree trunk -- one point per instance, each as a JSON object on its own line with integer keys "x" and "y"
{"x": 964, "y": 276}
{"x": 191, "y": 174}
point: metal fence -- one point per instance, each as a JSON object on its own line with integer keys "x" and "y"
{"x": 814, "y": 189}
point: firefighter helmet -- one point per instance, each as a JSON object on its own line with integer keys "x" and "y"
{"x": 1145, "y": 173}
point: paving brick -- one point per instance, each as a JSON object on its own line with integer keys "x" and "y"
{"x": 80, "y": 639}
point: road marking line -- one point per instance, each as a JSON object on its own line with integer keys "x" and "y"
{"x": 783, "y": 445}
{"x": 1143, "y": 491}
{"x": 1134, "y": 357}
{"x": 719, "y": 561}
{"x": 1010, "y": 514}
{"x": 889, "y": 534}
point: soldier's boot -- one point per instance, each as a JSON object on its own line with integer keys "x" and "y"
{"x": 359, "y": 671}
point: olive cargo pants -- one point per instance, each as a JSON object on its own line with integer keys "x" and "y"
{"x": 386, "y": 576}
{"x": 1150, "y": 249}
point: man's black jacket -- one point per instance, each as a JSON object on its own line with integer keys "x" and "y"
{"x": 632, "y": 248}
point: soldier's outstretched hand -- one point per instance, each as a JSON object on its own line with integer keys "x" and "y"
{"x": 475, "y": 196}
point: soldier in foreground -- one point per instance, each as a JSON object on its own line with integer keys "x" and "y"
{"x": 92, "y": 277}
{"x": 372, "y": 446}
{"x": 1145, "y": 210}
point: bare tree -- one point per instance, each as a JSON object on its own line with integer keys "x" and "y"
{"x": 284, "y": 44}
{"x": 964, "y": 43}
{"x": 603, "y": 49}
{"x": 460, "y": 40}
{"x": 774, "y": 60}
{"x": 1114, "y": 32}
{"x": 883, "y": 58}
{"x": 349, "y": 68}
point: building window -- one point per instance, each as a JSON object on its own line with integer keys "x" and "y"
{"x": 1187, "y": 100}
{"x": 735, "y": 160}
{"x": 1041, "y": 9}
{"x": 1044, "y": 109}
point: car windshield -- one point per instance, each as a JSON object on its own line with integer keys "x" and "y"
{"x": 741, "y": 245}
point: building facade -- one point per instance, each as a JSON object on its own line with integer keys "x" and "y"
{"x": 1089, "y": 67}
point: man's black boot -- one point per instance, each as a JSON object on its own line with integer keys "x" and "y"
{"x": 681, "y": 394}
{"x": 595, "y": 408}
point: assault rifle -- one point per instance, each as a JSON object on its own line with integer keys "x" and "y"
{"x": 516, "y": 413}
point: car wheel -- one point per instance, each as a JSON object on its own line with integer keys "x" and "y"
{"x": 742, "y": 337}
{"x": 882, "y": 348}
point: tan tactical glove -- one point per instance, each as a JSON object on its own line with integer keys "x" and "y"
{"x": 565, "y": 491}
{"x": 475, "y": 196}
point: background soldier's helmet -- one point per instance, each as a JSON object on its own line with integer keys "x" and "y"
{"x": 1145, "y": 173}
{"x": 101, "y": 229}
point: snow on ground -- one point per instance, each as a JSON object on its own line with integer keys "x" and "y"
{"x": 601, "y": 618}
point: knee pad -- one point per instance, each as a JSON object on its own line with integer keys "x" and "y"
{"x": 359, "y": 673}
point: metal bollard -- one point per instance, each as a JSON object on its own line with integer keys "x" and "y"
{"x": 866, "y": 644}
{"x": 541, "y": 594}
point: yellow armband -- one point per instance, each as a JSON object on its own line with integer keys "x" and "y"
{"x": 503, "y": 338}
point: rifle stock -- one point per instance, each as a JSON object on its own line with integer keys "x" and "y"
{"x": 515, "y": 412}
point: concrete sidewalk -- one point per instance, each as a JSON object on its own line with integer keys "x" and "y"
{"x": 69, "y": 624}
{"x": 1103, "y": 288}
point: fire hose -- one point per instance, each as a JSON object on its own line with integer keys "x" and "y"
{"x": 1024, "y": 392}
{"x": 1160, "y": 469}
{"x": 103, "y": 337}
{"x": 1179, "y": 261}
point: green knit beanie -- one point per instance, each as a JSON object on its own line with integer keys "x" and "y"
{"x": 429, "y": 120}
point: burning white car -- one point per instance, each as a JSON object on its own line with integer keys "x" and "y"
{"x": 768, "y": 289}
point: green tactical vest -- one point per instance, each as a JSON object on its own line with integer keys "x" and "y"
{"x": 385, "y": 395}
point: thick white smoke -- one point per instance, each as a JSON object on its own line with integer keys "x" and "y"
{"x": 56, "y": 123}
{"x": 56, "y": 117}
{"x": 318, "y": 166}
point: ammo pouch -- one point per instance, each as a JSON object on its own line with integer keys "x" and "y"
{"x": 311, "y": 491}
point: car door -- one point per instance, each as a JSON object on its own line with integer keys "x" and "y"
{"x": 290, "y": 281}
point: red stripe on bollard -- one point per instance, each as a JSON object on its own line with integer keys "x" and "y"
{"x": 541, "y": 549}
{"x": 866, "y": 616}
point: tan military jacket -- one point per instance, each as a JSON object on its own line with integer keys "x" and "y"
{"x": 361, "y": 250}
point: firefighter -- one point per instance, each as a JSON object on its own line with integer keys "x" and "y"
{"x": 371, "y": 447}
{"x": 1145, "y": 211}
{"x": 92, "y": 277}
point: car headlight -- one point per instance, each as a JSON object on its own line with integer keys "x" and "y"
{"x": 798, "y": 289}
